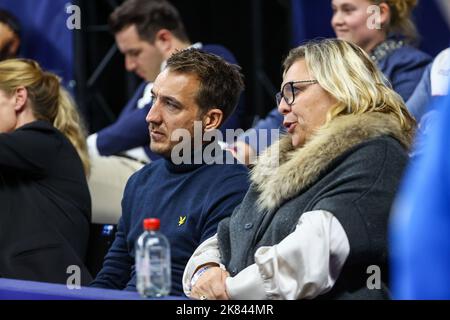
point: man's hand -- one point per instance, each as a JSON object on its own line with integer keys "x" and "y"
{"x": 211, "y": 285}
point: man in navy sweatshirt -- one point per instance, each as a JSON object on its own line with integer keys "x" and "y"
{"x": 190, "y": 197}
{"x": 147, "y": 33}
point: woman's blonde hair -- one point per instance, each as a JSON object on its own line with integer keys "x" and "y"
{"x": 401, "y": 23}
{"x": 347, "y": 73}
{"x": 49, "y": 100}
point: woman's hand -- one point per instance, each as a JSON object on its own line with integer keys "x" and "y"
{"x": 211, "y": 285}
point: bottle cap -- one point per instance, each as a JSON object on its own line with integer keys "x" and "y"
{"x": 151, "y": 224}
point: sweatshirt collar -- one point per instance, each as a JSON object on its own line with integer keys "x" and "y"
{"x": 197, "y": 159}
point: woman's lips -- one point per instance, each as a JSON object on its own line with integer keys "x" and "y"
{"x": 290, "y": 126}
{"x": 341, "y": 32}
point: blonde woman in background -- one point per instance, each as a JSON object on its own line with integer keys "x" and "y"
{"x": 311, "y": 225}
{"x": 385, "y": 30}
{"x": 45, "y": 203}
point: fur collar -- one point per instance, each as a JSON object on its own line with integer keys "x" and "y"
{"x": 279, "y": 179}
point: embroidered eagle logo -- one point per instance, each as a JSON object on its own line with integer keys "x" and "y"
{"x": 182, "y": 220}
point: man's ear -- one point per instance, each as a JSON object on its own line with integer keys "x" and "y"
{"x": 212, "y": 119}
{"x": 163, "y": 41}
{"x": 21, "y": 97}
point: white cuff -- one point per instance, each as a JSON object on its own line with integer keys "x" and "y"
{"x": 439, "y": 76}
{"x": 247, "y": 285}
{"x": 92, "y": 145}
{"x": 207, "y": 252}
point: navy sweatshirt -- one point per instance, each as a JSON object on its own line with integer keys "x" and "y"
{"x": 190, "y": 200}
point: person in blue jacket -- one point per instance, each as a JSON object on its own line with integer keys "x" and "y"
{"x": 189, "y": 191}
{"x": 147, "y": 32}
{"x": 383, "y": 29}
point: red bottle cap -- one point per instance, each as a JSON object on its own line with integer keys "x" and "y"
{"x": 151, "y": 224}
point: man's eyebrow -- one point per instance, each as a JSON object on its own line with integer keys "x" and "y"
{"x": 167, "y": 98}
{"x": 172, "y": 100}
{"x": 132, "y": 50}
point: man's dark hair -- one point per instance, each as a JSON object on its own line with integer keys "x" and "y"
{"x": 221, "y": 83}
{"x": 149, "y": 16}
{"x": 11, "y": 21}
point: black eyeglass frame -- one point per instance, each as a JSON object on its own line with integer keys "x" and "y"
{"x": 281, "y": 95}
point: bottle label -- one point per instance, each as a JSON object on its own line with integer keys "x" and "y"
{"x": 143, "y": 269}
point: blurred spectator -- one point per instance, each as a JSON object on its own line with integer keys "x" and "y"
{"x": 435, "y": 82}
{"x": 385, "y": 31}
{"x": 9, "y": 35}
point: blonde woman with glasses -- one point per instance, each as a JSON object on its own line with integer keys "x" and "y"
{"x": 45, "y": 206}
{"x": 315, "y": 217}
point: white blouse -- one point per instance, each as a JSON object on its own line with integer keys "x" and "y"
{"x": 303, "y": 265}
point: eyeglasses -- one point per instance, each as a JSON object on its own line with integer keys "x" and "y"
{"x": 288, "y": 92}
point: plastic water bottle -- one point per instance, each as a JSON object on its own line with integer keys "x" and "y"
{"x": 153, "y": 261}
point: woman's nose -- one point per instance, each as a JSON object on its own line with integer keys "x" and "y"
{"x": 283, "y": 107}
